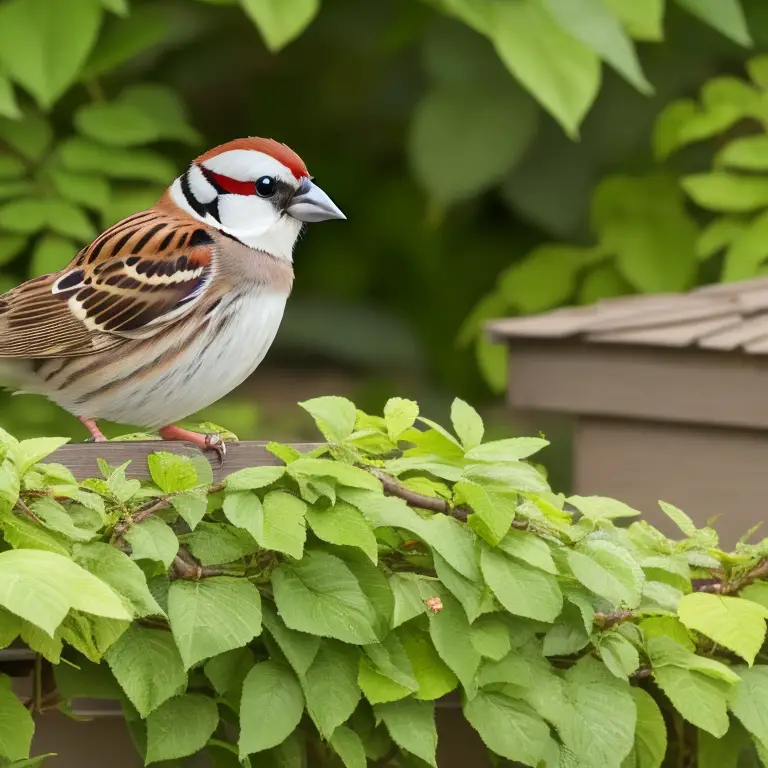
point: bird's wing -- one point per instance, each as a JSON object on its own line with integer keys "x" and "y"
{"x": 142, "y": 273}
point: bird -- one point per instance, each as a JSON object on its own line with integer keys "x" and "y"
{"x": 171, "y": 308}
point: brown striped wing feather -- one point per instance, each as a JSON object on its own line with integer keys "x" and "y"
{"x": 142, "y": 273}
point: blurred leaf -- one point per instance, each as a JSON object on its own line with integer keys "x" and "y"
{"x": 597, "y": 27}
{"x": 87, "y": 189}
{"x": 717, "y": 235}
{"x": 525, "y": 36}
{"x": 87, "y": 156}
{"x": 464, "y": 141}
{"x": 545, "y": 277}
{"x": 125, "y": 202}
{"x": 10, "y": 245}
{"x": 120, "y": 7}
{"x": 8, "y": 105}
{"x": 643, "y": 19}
{"x": 281, "y": 21}
{"x": 489, "y": 307}
{"x": 749, "y": 152}
{"x": 67, "y": 219}
{"x": 30, "y": 137}
{"x": 725, "y": 16}
{"x": 51, "y": 254}
{"x": 11, "y": 189}
{"x": 758, "y": 70}
{"x": 11, "y": 167}
{"x": 492, "y": 360}
{"x": 747, "y": 251}
{"x": 24, "y": 216}
{"x": 139, "y": 31}
{"x": 43, "y": 43}
{"x": 727, "y": 192}
{"x": 644, "y": 222}
{"x": 602, "y": 282}
{"x": 142, "y": 114}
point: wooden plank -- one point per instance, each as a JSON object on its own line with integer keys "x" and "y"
{"x": 748, "y": 330}
{"x": 679, "y": 334}
{"x": 81, "y": 458}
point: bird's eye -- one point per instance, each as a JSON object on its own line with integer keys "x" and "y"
{"x": 265, "y": 186}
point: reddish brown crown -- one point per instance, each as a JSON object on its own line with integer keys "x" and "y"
{"x": 282, "y": 153}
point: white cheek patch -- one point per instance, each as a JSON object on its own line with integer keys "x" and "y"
{"x": 251, "y": 214}
{"x": 201, "y": 188}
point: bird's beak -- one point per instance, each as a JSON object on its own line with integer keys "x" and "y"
{"x": 311, "y": 204}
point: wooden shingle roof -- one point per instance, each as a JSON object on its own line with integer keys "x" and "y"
{"x": 725, "y": 317}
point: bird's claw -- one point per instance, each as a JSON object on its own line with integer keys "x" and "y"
{"x": 215, "y": 443}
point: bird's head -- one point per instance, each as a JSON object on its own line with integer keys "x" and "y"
{"x": 256, "y": 190}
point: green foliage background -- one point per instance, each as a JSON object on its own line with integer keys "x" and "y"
{"x": 312, "y": 612}
{"x": 492, "y": 156}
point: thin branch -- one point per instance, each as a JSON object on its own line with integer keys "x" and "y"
{"x": 393, "y": 487}
{"x": 190, "y": 570}
{"x": 610, "y": 619}
{"x": 737, "y": 583}
{"x": 28, "y": 512}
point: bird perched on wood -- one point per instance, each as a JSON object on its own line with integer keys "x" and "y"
{"x": 169, "y": 309}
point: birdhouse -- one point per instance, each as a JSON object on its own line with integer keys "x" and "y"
{"x": 669, "y": 396}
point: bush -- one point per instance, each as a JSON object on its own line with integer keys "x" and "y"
{"x": 325, "y": 604}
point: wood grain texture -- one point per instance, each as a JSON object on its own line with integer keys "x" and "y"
{"x": 81, "y": 458}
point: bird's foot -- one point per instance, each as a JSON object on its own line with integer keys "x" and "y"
{"x": 96, "y": 434}
{"x": 208, "y": 442}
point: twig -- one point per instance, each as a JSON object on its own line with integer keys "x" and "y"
{"x": 642, "y": 672}
{"x": 28, "y": 512}
{"x": 729, "y": 586}
{"x": 182, "y": 568}
{"x": 610, "y": 619}
{"x": 393, "y": 487}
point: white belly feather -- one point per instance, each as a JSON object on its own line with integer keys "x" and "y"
{"x": 212, "y": 365}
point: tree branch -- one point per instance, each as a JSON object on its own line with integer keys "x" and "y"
{"x": 28, "y": 512}
{"x": 189, "y": 569}
{"x": 737, "y": 583}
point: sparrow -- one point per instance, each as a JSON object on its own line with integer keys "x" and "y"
{"x": 171, "y": 308}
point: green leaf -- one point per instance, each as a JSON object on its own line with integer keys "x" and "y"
{"x": 152, "y": 539}
{"x": 116, "y": 569}
{"x": 750, "y": 699}
{"x": 644, "y": 221}
{"x": 525, "y": 35}
{"x": 522, "y": 590}
{"x": 344, "y": 525}
{"x": 24, "y": 216}
{"x": 608, "y": 571}
{"x": 148, "y": 667}
{"x": 216, "y": 543}
{"x": 330, "y": 686}
{"x": 299, "y": 648}
{"x": 10, "y": 247}
{"x": 390, "y": 660}
{"x": 344, "y": 474}
{"x": 57, "y": 518}
{"x": 335, "y": 416}
{"x": 8, "y": 105}
{"x": 33, "y": 49}
{"x": 213, "y": 615}
{"x": 433, "y": 676}
{"x": 717, "y": 235}
{"x": 510, "y": 449}
{"x": 643, "y": 19}
{"x": 42, "y": 587}
{"x": 271, "y": 707}
{"x": 227, "y": 671}
{"x": 24, "y": 534}
{"x": 27, "y": 453}
{"x": 619, "y": 655}
{"x": 451, "y": 635}
{"x": 491, "y": 637}
{"x": 281, "y": 525}
{"x": 171, "y": 472}
{"x": 16, "y": 724}
{"x": 530, "y": 549}
{"x": 495, "y": 510}
{"x": 251, "y": 478}
{"x": 191, "y": 505}
{"x": 650, "y": 733}
{"x": 399, "y": 415}
{"x": 747, "y": 251}
{"x": 473, "y": 595}
{"x": 600, "y": 508}
{"x": 509, "y": 727}
{"x": 120, "y": 41}
{"x": 725, "y": 16}
{"x": 463, "y": 140}
{"x": 757, "y": 593}
{"x": 592, "y": 22}
{"x": 407, "y": 599}
{"x": 280, "y": 21}
{"x": 665, "y": 652}
{"x": 51, "y": 254}
{"x": 725, "y": 752}
{"x": 348, "y": 746}
{"x": 30, "y": 137}
{"x": 467, "y": 424}
{"x": 180, "y": 727}
{"x": 747, "y": 153}
{"x": 320, "y": 596}
{"x": 84, "y": 156}
{"x": 10, "y": 626}
{"x": 699, "y": 698}
{"x": 411, "y": 724}
{"x": 732, "y": 622}
{"x": 49, "y": 648}
{"x": 568, "y": 634}
{"x": 726, "y": 192}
